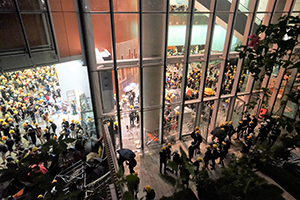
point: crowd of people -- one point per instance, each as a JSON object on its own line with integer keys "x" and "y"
{"x": 28, "y": 100}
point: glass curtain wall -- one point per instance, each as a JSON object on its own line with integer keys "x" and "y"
{"x": 150, "y": 40}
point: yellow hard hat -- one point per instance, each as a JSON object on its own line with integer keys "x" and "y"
{"x": 45, "y": 129}
{"x": 253, "y": 115}
{"x": 196, "y": 128}
{"x": 208, "y": 146}
{"x": 223, "y": 129}
{"x": 222, "y": 124}
{"x": 135, "y": 173}
{"x": 240, "y": 122}
{"x": 54, "y": 181}
{"x": 226, "y": 122}
{"x": 36, "y": 107}
{"x": 63, "y": 120}
{"x": 76, "y": 122}
{"x": 50, "y": 120}
{"x": 15, "y": 112}
{"x": 4, "y": 124}
{"x": 11, "y": 131}
{"x": 24, "y": 124}
{"x": 197, "y": 132}
{"x": 251, "y": 122}
{"x": 72, "y": 120}
{"x": 163, "y": 148}
{"x": 169, "y": 144}
{"x": 147, "y": 187}
{"x": 40, "y": 196}
{"x": 1, "y": 120}
{"x": 36, "y": 124}
{"x": 90, "y": 119}
{"x": 200, "y": 159}
{"x": 131, "y": 106}
{"x": 54, "y": 137}
{"x": 215, "y": 146}
{"x": 9, "y": 119}
{"x": 34, "y": 149}
{"x": 115, "y": 123}
{"x": 6, "y": 115}
{"x": 230, "y": 122}
{"x": 249, "y": 137}
{"x": 224, "y": 143}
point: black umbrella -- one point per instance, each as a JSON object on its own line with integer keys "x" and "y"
{"x": 126, "y": 154}
{"x": 219, "y": 133}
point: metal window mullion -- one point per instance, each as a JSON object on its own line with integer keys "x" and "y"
{"x": 188, "y": 39}
{"x": 164, "y": 74}
{"x": 23, "y": 30}
{"x": 51, "y": 26}
{"x": 114, "y": 53}
{"x": 141, "y": 73}
{"x": 206, "y": 57}
{"x": 226, "y": 50}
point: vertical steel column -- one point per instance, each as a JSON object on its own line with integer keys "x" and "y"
{"x": 141, "y": 72}
{"x": 226, "y": 51}
{"x": 208, "y": 45}
{"x": 188, "y": 39}
{"x": 164, "y": 74}
{"x": 52, "y": 28}
{"x": 288, "y": 8}
{"x": 87, "y": 42}
{"x": 23, "y": 30}
{"x": 114, "y": 53}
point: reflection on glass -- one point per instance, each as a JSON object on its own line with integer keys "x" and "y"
{"x": 170, "y": 123}
{"x": 177, "y": 31}
{"x": 211, "y": 80}
{"x": 126, "y": 32}
{"x": 11, "y": 36}
{"x": 102, "y": 37}
{"x": 199, "y": 32}
{"x": 262, "y": 6}
{"x": 204, "y": 6}
{"x": 189, "y": 118}
{"x": 107, "y": 90}
{"x": 219, "y": 34}
{"x": 128, "y": 79}
{"x": 277, "y": 105}
{"x": 205, "y": 116}
{"x": 259, "y": 20}
{"x": 297, "y": 6}
{"x": 36, "y": 29}
{"x": 222, "y": 111}
{"x": 178, "y": 6}
{"x": 173, "y": 83}
{"x": 193, "y": 80}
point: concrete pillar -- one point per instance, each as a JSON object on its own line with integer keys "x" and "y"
{"x": 153, "y": 46}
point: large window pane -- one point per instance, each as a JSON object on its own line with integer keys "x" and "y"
{"x": 219, "y": 34}
{"x": 37, "y": 31}
{"x": 238, "y": 110}
{"x": 223, "y": 110}
{"x": 189, "y": 118}
{"x": 125, "y": 5}
{"x": 244, "y": 79}
{"x": 238, "y": 33}
{"x": 131, "y": 135}
{"x": 97, "y": 5}
{"x": 229, "y": 76}
{"x": 31, "y": 5}
{"x": 177, "y": 33}
{"x": 157, "y": 5}
{"x": 193, "y": 80}
{"x": 126, "y": 32}
{"x": 153, "y": 39}
{"x": 173, "y": 82}
{"x": 102, "y": 37}
{"x": 7, "y": 5}
{"x": 199, "y": 32}
{"x": 128, "y": 79}
{"x": 205, "y": 116}
{"x": 212, "y": 77}
{"x": 151, "y": 122}
{"x": 171, "y": 117}
{"x": 11, "y": 33}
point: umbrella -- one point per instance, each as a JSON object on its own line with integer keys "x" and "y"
{"x": 217, "y": 132}
{"x": 208, "y": 91}
{"x": 127, "y": 154}
{"x": 128, "y": 88}
{"x": 132, "y": 85}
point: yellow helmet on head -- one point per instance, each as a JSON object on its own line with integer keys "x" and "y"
{"x": 4, "y": 124}
{"x": 63, "y": 120}
{"x": 196, "y": 128}
{"x": 226, "y": 122}
{"x": 72, "y": 120}
{"x": 208, "y": 146}
{"x": 200, "y": 159}
{"x": 163, "y": 148}
{"x": 34, "y": 149}
{"x": 11, "y": 131}
{"x": 230, "y": 122}
{"x": 50, "y": 120}
{"x": 147, "y": 187}
{"x": 36, "y": 124}
{"x": 169, "y": 145}
{"x": 215, "y": 146}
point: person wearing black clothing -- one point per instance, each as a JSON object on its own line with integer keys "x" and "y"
{"x": 150, "y": 193}
{"x": 263, "y": 133}
{"x": 131, "y": 164}
{"x": 185, "y": 172}
{"x": 215, "y": 155}
{"x": 163, "y": 160}
{"x": 3, "y": 150}
{"x": 47, "y": 133}
{"x": 254, "y": 119}
{"x": 5, "y": 129}
{"x": 207, "y": 156}
{"x": 223, "y": 153}
{"x": 65, "y": 123}
{"x": 230, "y": 130}
{"x": 31, "y": 133}
{"x": 239, "y": 130}
{"x": 198, "y": 142}
{"x": 191, "y": 150}
{"x": 176, "y": 159}
{"x": 274, "y": 135}
{"x": 10, "y": 143}
{"x": 17, "y": 138}
{"x": 168, "y": 150}
{"x": 247, "y": 145}
{"x": 53, "y": 126}
{"x": 197, "y": 165}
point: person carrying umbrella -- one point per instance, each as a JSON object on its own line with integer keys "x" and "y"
{"x": 131, "y": 164}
